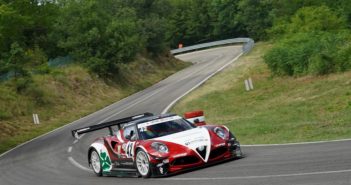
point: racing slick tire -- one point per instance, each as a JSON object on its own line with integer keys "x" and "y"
{"x": 95, "y": 162}
{"x": 142, "y": 163}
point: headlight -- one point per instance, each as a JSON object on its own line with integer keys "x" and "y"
{"x": 220, "y": 132}
{"x": 159, "y": 147}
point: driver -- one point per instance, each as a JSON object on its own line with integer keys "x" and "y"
{"x": 147, "y": 133}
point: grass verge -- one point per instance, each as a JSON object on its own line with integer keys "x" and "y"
{"x": 279, "y": 109}
{"x": 66, "y": 94}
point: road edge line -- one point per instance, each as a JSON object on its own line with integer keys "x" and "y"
{"x": 300, "y": 143}
{"x": 200, "y": 83}
{"x": 257, "y": 177}
{"x": 75, "y": 163}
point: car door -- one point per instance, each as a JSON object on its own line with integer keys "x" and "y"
{"x": 127, "y": 137}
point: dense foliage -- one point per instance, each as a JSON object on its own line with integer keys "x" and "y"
{"x": 310, "y": 53}
{"x": 104, "y": 34}
{"x": 314, "y": 40}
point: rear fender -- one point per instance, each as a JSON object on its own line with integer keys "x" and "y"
{"x": 105, "y": 158}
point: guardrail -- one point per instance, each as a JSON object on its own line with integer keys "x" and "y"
{"x": 248, "y": 44}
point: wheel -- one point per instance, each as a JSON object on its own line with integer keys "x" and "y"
{"x": 95, "y": 162}
{"x": 143, "y": 164}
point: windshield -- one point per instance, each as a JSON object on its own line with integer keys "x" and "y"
{"x": 163, "y": 127}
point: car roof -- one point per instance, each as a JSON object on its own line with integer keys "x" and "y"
{"x": 149, "y": 118}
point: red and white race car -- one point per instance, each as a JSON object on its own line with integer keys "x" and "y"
{"x": 150, "y": 146}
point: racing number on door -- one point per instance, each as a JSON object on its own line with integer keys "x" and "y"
{"x": 130, "y": 149}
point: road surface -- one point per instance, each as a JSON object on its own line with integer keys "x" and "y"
{"x": 58, "y": 159}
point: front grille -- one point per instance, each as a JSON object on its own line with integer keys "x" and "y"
{"x": 185, "y": 160}
{"x": 218, "y": 152}
{"x": 202, "y": 152}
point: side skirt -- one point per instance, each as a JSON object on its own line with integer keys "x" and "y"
{"x": 122, "y": 172}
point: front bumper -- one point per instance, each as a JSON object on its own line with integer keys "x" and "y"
{"x": 164, "y": 167}
{"x": 235, "y": 149}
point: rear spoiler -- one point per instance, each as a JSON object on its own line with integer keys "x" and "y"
{"x": 119, "y": 122}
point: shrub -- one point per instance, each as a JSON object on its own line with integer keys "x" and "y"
{"x": 310, "y": 53}
{"x": 21, "y": 84}
{"x": 343, "y": 58}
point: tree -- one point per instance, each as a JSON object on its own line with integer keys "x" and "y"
{"x": 99, "y": 34}
{"x": 255, "y": 17}
{"x": 17, "y": 62}
{"x": 225, "y": 21}
{"x": 12, "y": 25}
{"x": 314, "y": 41}
{"x": 311, "y": 19}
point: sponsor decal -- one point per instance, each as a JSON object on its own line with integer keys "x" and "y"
{"x": 105, "y": 161}
{"x": 142, "y": 126}
{"x": 195, "y": 141}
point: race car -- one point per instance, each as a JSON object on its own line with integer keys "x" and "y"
{"x": 150, "y": 145}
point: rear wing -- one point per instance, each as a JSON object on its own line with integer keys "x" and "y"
{"x": 118, "y": 123}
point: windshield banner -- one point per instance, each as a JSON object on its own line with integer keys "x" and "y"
{"x": 142, "y": 126}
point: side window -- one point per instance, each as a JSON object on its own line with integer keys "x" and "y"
{"x": 131, "y": 132}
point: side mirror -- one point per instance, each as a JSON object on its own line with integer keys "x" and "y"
{"x": 128, "y": 137}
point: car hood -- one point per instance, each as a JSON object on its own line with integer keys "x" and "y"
{"x": 198, "y": 139}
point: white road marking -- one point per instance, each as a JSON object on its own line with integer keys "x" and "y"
{"x": 78, "y": 138}
{"x": 69, "y": 149}
{"x": 256, "y": 177}
{"x": 200, "y": 83}
{"x": 301, "y": 143}
{"x": 203, "y": 67}
{"x": 75, "y": 163}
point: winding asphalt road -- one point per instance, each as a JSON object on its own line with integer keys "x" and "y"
{"x": 57, "y": 158}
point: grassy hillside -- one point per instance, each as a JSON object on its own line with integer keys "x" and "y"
{"x": 279, "y": 109}
{"x": 66, "y": 94}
